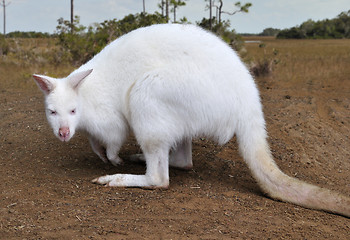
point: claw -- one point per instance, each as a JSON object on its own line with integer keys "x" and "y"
{"x": 102, "y": 180}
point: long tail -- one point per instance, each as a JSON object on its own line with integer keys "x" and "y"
{"x": 276, "y": 184}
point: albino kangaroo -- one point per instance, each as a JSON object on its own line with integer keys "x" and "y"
{"x": 169, "y": 84}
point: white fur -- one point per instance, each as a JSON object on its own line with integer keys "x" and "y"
{"x": 167, "y": 84}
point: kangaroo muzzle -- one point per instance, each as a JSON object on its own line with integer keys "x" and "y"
{"x": 64, "y": 134}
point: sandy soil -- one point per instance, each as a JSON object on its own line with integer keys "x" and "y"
{"x": 46, "y": 191}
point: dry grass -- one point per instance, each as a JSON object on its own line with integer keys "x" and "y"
{"x": 316, "y": 62}
{"x": 313, "y": 72}
{"x": 28, "y": 56}
{"x": 299, "y": 61}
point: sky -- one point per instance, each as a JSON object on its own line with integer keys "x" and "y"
{"x": 42, "y": 15}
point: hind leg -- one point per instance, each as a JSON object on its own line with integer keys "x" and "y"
{"x": 157, "y": 173}
{"x": 180, "y": 157}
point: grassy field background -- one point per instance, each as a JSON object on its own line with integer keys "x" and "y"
{"x": 319, "y": 61}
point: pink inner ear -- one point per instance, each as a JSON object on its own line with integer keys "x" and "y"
{"x": 77, "y": 78}
{"x": 43, "y": 83}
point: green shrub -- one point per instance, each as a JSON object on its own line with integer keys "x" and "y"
{"x": 4, "y": 46}
{"x": 31, "y": 34}
{"x": 329, "y": 28}
{"x": 264, "y": 66}
{"x": 223, "y": 31}
{"x": 80, "y": 43}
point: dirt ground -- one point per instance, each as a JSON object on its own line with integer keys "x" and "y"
{"x": 46, "y": 189}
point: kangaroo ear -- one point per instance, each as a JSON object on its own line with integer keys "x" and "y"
{"x": 44, "y": 83}
{"x": 76, "y": 79}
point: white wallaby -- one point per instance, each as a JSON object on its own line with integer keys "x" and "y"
{"x": 168, "y": 84}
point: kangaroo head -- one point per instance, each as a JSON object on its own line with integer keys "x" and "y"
{"x": 62, "y": 104}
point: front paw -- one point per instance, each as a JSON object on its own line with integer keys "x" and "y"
{"x": 102, "y": 180}
{"x": 110, "y": 180}
{"x": 116, "y": 161}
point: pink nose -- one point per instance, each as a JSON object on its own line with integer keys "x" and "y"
{"x": 64, "y": 133}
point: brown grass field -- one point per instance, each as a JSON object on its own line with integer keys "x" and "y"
{"x": 45, "y": 185}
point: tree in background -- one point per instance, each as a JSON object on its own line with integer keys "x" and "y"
{"x": 218, "y": 4}
{"x": 270, "y": 32}
{"x": 71, "y": 15}
{"x": 4, "y": 5}
{"x": 218, "y": 9}
{"x": 223, "y": 30}
{"x": 164, "y": 6}
{"x": 338, "y": 27}
{"x": 175, "y": 5}
{"x": 83, "y": 43}
{"x": 222, "y": 27}
{"x": 210, "y": 8}
{"x": 240, "y": 8}
{"x": 80, "y": 43}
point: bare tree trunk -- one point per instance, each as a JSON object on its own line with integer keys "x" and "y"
{"x": 71, "y": 15}
{"x": 167, "y": 9}
{"x": 220, "y": 10}
{"x": 210, "y": 14}
{"x": 162, "y": 7}
{"x": 144, "y": 7}
{"x": 4, "y": 6}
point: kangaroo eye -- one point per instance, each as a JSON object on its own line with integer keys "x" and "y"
{"x": 73, "y": 111}
{"x": 52, "y": 112}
